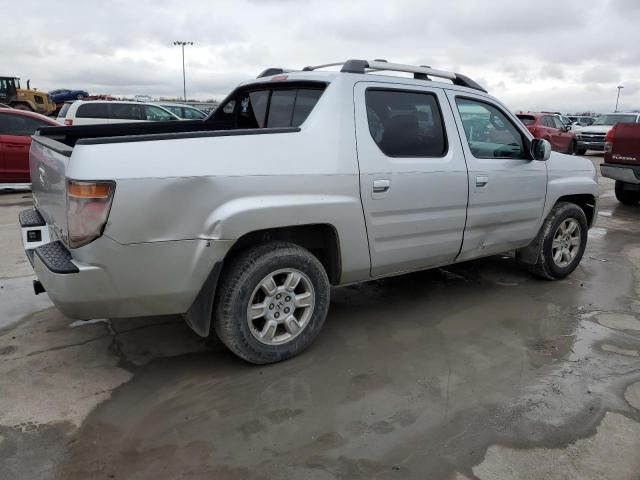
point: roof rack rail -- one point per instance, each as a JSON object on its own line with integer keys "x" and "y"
{"x": 274, "y": 71}
{"x": 422, "y": 72}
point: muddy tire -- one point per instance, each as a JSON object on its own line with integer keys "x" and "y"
{"x": 626, "y": 197}
{"x": 563, "y": 241}
{"x": 271, "y": 303}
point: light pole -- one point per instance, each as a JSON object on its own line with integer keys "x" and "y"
{"x": 184, "y": 81}
{"x": 620, "y": 87}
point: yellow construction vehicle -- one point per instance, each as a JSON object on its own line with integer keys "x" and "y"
{"x": 24, "y": 99}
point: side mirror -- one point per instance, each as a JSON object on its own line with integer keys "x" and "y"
{"x": 567, "y": 128}
{"x": 540, "y": 149}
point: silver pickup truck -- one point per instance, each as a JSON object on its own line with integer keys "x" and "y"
{"x": 300, "y": 180}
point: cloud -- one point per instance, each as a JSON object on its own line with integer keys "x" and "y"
{"x": 544, "y": 54}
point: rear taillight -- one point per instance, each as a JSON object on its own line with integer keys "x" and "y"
{"x": 68, "y": 121}
{"x": 88, "y": 205}
{"x": 608, "y": 140}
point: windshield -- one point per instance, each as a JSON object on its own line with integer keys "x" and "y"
{"x": 613, "y": 119}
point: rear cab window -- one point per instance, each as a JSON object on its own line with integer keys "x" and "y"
{"x": 63, "y": 111}
{"x": 273, "y": 105}
{"x": 527, "y": 119}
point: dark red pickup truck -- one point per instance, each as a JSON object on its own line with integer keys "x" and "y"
{"x": 622, "y": 161}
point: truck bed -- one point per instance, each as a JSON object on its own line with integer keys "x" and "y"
{"x": 70, "y": 135}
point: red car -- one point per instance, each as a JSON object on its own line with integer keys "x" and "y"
{"x": 549, "y": 127}
{"x": 16, "y": 128}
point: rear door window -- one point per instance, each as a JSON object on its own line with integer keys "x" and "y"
{"x": 127, "y": 111}
{"x": 405, "y": 124}
{"x": 93, "y": 110}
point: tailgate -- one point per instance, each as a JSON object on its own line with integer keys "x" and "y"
{"x": 626, "y": 144}
{"x": 48, "y": 162}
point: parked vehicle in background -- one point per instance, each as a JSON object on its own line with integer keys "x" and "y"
{"x": 622, "y": 161}
{"x": 106, "y": 111}
{"x": 581, "y": 120}
{"x": 593, "y": 136}
{"x": 241, "y": 222}
{"x": 142, "y": 98}
{"x": 549, "y": 127}
{"x": 566, "y": 121}
{"x": 24, "y": 99}
{"x": 16, "y": 128}
{"x": 64, "y": 95}
{"x": 186, "y": 112}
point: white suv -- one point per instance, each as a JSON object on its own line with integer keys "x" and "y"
{"x": 107, "y": 111}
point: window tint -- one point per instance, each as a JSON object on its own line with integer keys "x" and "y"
{"x": 405, "y": 124}
{"x": 93, "y": 110}
{"x": 489, "y": 132}
{"x": 281, "y": 108}
{"x": 174, "y": 109}
{"x": 193, "y": 114}
{"x": 557, "y": 123}
{"x": 305, "y": 101}
{"x": 19, "y": 125}
{"x": 63, "y": 111}
{"x": 527, "y": 119}
{"x": 127, "y": 111}
{"x": 156, "y": 114}
{"x": 253, "y": 109}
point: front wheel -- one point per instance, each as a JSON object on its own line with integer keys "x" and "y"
{"x": 626, "y": 197}
{"x": 564, "y": 239}
{"x": 272, "y": 302}
{"x": 572, "y": 148}
{"x": 581, "y": 151}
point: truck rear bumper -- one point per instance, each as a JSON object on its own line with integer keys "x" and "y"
{"x": 622, "y": 173}
{"x": 107, "y": 280}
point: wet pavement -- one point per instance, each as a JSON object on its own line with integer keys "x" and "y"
{"x": 476, "y": 371}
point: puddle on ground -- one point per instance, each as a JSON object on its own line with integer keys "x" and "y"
{"x": 607, "y": 347}
{"x": 619, "y": 321}
{"x": 597, "y": 232}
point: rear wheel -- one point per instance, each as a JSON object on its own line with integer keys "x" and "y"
{"x": 80, "y": 96}
{"x": 23, "y": 106}
{"x": 626, "y": 197}
{"x": 272, "y": 301}
{"x": 564, "y": 239}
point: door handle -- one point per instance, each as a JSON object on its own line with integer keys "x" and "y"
{"x": 381, "y": 185}
{"x": 482, "y": 180}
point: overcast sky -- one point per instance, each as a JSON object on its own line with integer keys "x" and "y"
{"x": 539, "y": 54}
